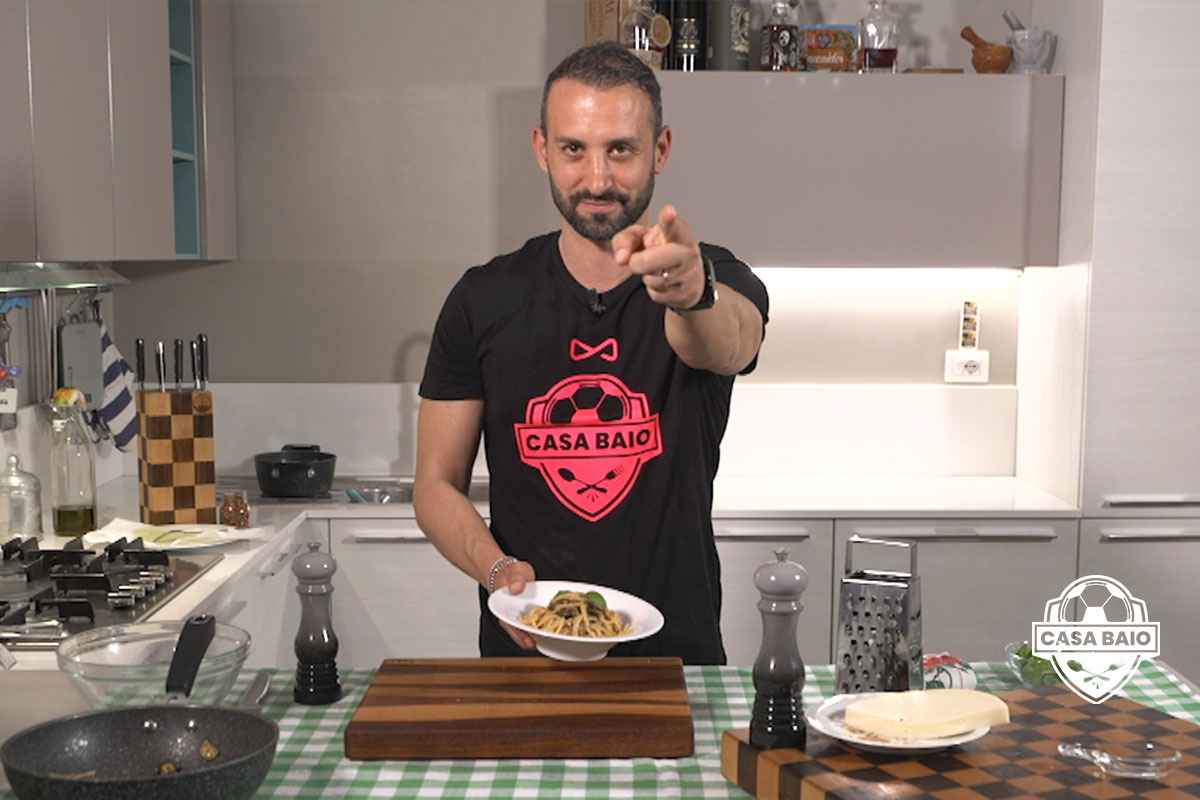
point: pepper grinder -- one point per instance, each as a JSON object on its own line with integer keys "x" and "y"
{"x": 316, "y": 644}
{"x": 777, "y": 719}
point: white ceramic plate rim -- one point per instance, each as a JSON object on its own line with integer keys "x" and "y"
{"x": 616, "y": 599}
{"x": 227, "y": 534}
{"x": 822, "y": 719}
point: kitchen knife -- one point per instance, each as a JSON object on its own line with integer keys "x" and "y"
{"x": 139, "y": 347}
{"x": 203, "y": 341}
{"x": 195, "y": 366}
{"x": 179, "y": 365}
{"x": 160, "y": 363}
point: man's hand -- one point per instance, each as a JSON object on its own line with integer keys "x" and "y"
{"x": 667, "y": 257}
{"x": 514, "y": 577}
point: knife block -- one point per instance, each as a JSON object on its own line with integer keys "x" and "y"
{"x": 177, "y": 472}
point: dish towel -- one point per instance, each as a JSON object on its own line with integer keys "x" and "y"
{"x": 117, "y": 409}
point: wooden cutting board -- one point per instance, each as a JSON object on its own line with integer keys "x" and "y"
{"x": 1019, "y": 759}
{"x": 523, "y": 708}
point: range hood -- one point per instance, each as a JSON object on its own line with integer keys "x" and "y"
{"x": 29, "y": 276}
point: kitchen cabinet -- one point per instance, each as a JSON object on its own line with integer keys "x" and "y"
{"x": 746, "y": 544}
{"x": 72, "y": 146}
{"x": 89, "y": 142}
{"x": 18, "y": 241}
{"x": 395, "y": 596}
{"x": 1158, "y": 561}
{"x": 263, "y": 601}
{"x": 883, "y": 170}
{"x": 1142, "y": 434}
{"x": 983, "y": 582}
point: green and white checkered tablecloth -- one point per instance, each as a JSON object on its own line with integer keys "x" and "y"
{"x": 309, "y": 762}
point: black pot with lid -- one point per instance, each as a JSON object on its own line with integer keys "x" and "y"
{"x": 298, "y": 470}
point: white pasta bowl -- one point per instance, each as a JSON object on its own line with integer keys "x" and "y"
{"x": 644, "y": 619}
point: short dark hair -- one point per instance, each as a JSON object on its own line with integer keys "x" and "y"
{"x": 607, "y": 65}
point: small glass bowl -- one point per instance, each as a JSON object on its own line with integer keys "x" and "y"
{"x": 126, "y": 665}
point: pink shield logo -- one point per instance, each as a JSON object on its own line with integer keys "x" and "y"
{"x": 589, "y": 437}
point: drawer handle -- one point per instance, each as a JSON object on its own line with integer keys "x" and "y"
{"x": 949, "y": 533}
{"x": 276, "y": 562}
{"x": 1133, "y": 500}
{"x": 1150, "y": 534}
{"x": 766, "y": 534}
{"x": 385, "y": 535}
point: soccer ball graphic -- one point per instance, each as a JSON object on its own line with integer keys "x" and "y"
{"x": 596, "y": 400}
{"x": 1096, "y": 603}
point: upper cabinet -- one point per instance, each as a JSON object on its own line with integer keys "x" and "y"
{"x": 117, "y": 141}
{"x": 868, "y": 170}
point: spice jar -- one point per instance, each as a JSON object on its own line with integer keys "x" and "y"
{"x": 20, "y": 502}
{"x": 235, "y": 510}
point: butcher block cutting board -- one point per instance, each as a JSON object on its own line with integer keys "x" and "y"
{"x": 1019, "y": 759}
{"x": 523, "y": 708}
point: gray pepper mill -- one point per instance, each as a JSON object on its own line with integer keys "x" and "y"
{"x": 777, "y": 719}
{"x": 316, "y": 643}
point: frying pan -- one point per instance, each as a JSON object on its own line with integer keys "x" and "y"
{"x": 147, "y": 752}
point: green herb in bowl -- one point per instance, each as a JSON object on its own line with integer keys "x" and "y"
{"x": 1031, "y": 670}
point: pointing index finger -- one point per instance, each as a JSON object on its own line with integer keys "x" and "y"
{"x": 628, "y": 242}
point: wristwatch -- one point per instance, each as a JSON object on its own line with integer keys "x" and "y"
{"x": 708, "y": 297}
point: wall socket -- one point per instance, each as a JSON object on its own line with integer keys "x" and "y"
{"x": 967, "y": 365}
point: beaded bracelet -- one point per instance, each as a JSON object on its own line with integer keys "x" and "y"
{"x": 502, "y": 563}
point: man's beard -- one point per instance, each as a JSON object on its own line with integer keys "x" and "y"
{"x": 600, "y": 228}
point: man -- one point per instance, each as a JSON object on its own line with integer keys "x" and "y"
{"x": 598, "y": 361}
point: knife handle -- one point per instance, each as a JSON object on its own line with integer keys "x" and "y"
{"x": 178, "y": 364}
{"x": 203, "y": 342}
{"x": 195, "y": 366}
{"x": 139, "y": 348}
{"x": 160, "y": 365}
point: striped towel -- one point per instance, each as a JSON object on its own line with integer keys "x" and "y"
{"x": 117, "y": 409}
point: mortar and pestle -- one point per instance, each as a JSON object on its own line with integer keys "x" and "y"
{"x": 987, "y": 57}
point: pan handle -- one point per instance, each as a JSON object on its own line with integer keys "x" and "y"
{"x": 194, "y": 638}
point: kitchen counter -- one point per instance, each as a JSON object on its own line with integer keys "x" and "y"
{"x": 764, "y": 496}
{"x": 310, "y": 761}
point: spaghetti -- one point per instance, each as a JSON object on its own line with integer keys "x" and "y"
{"x": 577, "y": 614}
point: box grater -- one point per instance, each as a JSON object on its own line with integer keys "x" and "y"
{"x": 879, "y": 626}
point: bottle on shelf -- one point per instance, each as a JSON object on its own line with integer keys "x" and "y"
{"x": 729, "y": 35}
{"x": 781, "y": 40}
{"x": 878, "y": 38}
{"x": 691, "y": 35}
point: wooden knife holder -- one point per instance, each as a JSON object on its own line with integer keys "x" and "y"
{"x": 177, "y": 471}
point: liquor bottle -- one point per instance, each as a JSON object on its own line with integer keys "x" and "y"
{"x": 729, "y": 35}
{"x": 780, "y": 40}
{"x": 878, "y": 34}
{"x": 691, "y": 35}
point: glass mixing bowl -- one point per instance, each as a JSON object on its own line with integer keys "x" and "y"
{"x": 126, "y": 665}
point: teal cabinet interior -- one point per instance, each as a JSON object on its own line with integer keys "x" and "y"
{"x": 184, "y": 152}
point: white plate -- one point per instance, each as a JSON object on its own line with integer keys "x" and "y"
{"x": 829, "y": 718}
{"x": 645, "y": 619}
{"x": 177, "y": 538}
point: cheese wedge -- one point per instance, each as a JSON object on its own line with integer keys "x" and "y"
{"x": 926, "y": 714}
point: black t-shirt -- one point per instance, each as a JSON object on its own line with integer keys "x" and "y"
{"x": 601, "y": 444}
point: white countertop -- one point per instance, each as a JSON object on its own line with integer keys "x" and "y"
{"x": 736, "y": 497}
{"x": 811, "y": 496}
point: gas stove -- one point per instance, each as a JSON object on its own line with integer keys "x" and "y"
{"x": 48, "y": 595}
